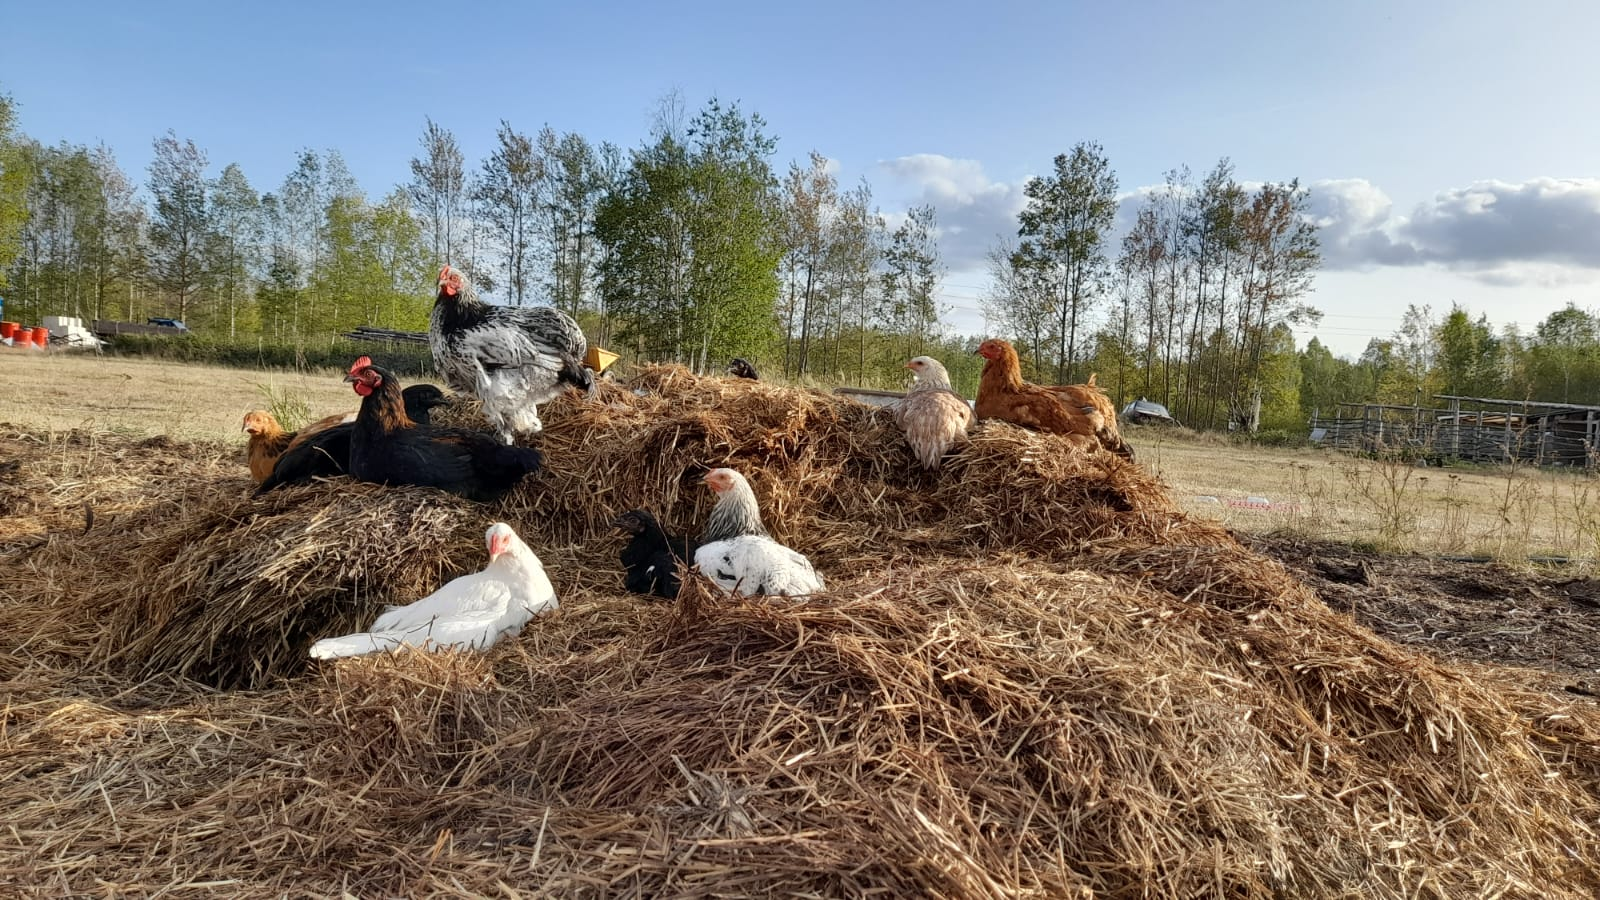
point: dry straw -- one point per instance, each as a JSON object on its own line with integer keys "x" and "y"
{"x": 1034, "y": 677}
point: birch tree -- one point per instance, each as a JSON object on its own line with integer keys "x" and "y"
{"x": 1064, "y": 229}
{"x": 438, "y": 190}
{"x": 177, "y": 232}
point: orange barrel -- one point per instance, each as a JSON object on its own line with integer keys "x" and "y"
{"x": 22, "y": 337}
{"x": 7, "y": 329}
{"x": 41, "y": 336}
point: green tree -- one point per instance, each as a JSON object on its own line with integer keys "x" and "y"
{"x": 1564, "y": 358}
{"x": 15, "y": 179}
{"x": 401, "y": 261}
{"x": 1279, "y": 256}
{"x": 1320, "y": 388}
{"x": 912, "y": 271}
{"x": 810, "y": 195}
{"x": 1021, "y": 302}
{"x": 1146, "y": 249}
{"x": 232, "y": 247}
{"x": 1280, "y": 380}
{"x": 1410, "y": 378}
{"x": 177, "y": 233}
{"x": 279, "y": 293}
{"x": 116, "y": 254}
{"x": 1469, "y": 358}
{"x": 577, "y": 175}
{"x": 858, "y": 246}
{"x": 54, "y": 273}
{"x": 691, "y": 238}
{"x": 508, "y": 192}
{"x": 439, "y": 189}
{"x": 1064, "y": 229}
{"x": 1213, "y": 229}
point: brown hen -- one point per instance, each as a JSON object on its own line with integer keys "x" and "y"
{"x": 1078, "y": 396}
{"x": 1003, "y": 395}
{"x": 268, "y": 440}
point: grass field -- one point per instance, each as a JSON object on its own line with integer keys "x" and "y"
{"x": 1508, "y": 513}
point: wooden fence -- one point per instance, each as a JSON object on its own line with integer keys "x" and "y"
{"x": 1564, "y": 436}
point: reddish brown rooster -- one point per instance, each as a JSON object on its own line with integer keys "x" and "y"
{"x": 387, "y": 447}
{"x": 1003, "y": 395}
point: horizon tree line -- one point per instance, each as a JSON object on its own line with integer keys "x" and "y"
{"x": 693, "y": 248}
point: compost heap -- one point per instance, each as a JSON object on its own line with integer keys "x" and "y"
{"x": 1032, "y": 675}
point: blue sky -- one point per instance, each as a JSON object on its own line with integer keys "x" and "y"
{"x": 1451, "y": 147}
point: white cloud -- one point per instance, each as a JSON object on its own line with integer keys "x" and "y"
{"x": 974, "y": 212}
{"x": 1533, "y": 232}
{"x": 1544, "y": 220}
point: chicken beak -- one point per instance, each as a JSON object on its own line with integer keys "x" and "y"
{"x": 349, "y": 379}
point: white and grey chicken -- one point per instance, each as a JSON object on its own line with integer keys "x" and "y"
{"x": 933, "y": 416}
{"x": 471, "y": 612}
{"x": 511, "y": 358}
{"x": 739, "y": 555}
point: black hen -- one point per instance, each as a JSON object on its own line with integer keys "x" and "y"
{"x": 327, "y": 453}
{"x": 741, "y": 368}
{"x": 387, "y": 447}
{"x": 651, "y": 557}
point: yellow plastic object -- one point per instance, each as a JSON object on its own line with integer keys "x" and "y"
{"x": 598, "y": 359}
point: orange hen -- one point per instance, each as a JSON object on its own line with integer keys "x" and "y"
{"x": 1003, "y": 395}
{"x": 268, "y": 440}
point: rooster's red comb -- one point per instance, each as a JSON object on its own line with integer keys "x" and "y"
{"x": 444, "y": 273}
{"x": 364, "y": 362}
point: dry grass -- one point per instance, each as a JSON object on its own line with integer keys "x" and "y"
{"x": 1035, "y": 676}
{"x": 1507, "y": 512}
{"x": 80, "y": 390}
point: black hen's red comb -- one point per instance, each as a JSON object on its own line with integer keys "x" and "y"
{"x": 364, "y": 362}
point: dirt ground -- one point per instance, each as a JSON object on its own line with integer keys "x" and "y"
{"x": 1540, "y": 620}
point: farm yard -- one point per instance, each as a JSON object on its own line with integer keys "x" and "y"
{"x": 1037, "y": 672}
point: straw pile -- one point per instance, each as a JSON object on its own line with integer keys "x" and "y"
{"x": 1034, "y": 677}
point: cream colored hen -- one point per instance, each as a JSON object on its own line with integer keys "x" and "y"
{"x": 933, "y": 416}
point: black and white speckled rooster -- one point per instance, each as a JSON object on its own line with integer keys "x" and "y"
{"x": 511, "y": 358}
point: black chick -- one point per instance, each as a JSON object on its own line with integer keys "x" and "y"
{"x": 651, "y": 557}
{"x": 741, "y": 368}
{"x": 327, "y": 453}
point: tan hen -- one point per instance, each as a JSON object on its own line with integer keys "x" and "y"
{"x": 933, "y": 416}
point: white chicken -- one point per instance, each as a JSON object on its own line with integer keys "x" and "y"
{"x": 511, "y": 358}
{"x": 471, "y": 612}
{"x": 933, "y": 416}
{"x": 737, "y": 553}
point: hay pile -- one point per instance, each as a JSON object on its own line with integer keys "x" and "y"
{"x": 1034, "y": 676}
